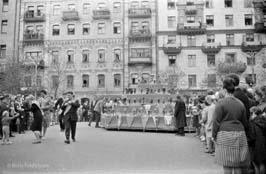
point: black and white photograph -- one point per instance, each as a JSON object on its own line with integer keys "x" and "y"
{"x": 132, "y": 86}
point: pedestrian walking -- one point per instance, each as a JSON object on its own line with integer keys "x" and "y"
{"x": 230, "y": 126}
{"x": 180, "y": 116}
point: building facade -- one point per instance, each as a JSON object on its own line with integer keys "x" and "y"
{"x": 9, "y": 14}
{"x": 195, "y": 36}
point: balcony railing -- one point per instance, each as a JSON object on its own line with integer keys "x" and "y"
{"x": 33, "y": 38}
{"x": 142, "y": 33}
{"x": 260, "y": 27}
{"x": 191, "y": 28}
{"x": 139, "y": 13}
{"x": 31, "y": 16}
{"x": 101, "y": 14}
{"x": 191, "y": 10}
{"x": 211, "y": 48}
{"x": 139, "y": 60}
{"x": 70, "y": 15}
{"x": 172, "y": 49}
{"x": 251, "y": 46}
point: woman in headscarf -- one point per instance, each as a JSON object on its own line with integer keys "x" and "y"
{"x": 229, "y": 132}
{"x": 36, "y": 125}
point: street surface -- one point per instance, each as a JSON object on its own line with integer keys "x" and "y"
{"x": 110, "y": 152}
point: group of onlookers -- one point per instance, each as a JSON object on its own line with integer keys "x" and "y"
{"x": 232, "y": 125}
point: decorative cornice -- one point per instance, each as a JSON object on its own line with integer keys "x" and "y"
{"x": 208, "y": 31}
{"x": 106, "y": 41}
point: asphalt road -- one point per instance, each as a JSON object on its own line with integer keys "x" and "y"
{"x": 110, "y": 152}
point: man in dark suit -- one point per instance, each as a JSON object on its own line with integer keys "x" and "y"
{"x": 180, "y": 116}
{"x": 70, "y": 108}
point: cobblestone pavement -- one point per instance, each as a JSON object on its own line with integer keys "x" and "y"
{"x": 110, "y": 152}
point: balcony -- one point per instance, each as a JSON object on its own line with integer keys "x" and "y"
{"x": 142, "y": 33}
{"x": 258, "y": 3}
{"x": 70, "y": 15}
{"x": 139, "y": 60}
{"x": 101, "y": 14}
{"x": 191, "y": 10}
{"x": 251, "y": 46}
{"x": 30, "y": 38}
{"x": 139, "y": 13}
{"x": 211, "y": 48}
{"x": 260, "y": 27}
{"x": 191, "y": 28}
{"x": 172, "y": 49}
{"x": 31, "y": 16}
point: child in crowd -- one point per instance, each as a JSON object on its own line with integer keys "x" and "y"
{"x": 6, "y": 126}
{"x": 257, "y": 143}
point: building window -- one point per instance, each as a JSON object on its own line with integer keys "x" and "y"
{"x": 55, "y": 57}
{"x": 134, "y": 26}
{"x": 39, "y": 29}
{"x": 117, "y": 80}
{"x": 145, "y": 25}
{"x": 190, "y": 19}
{"x": 171, "y": 39}
{"x": 85, "y": 80}
{"x": 134, "y": 79}
{"x": 101, "y": 55}
{"x": 70, "y": 81}
{"x": 85, "y": 56}
{"x": 210, "y": 38}
{"x": 208, "y": 4}
{"x": 71, "y": 7}
{"x": 230, "y": 39}
{"x": 39, "y": 81}
{"x": 2, "y": 51}
{"x": 192, "y": 81}
{"x": 191, "y": 40}
{"x": 211, "y": 60}
{"x": 140, "y": 52}
{"x": 117, "y": 28}
{"x": 27, "y": 81}
{"x": 101, "y": 81}
{"x": 4, "y": 26}
{"x": 56, "y": 9}
{"x": 55, "y": 81}
{"x": 86, "y": 29}
{"x": 251, "y": 60}
{"x": 34, "y": 55}
{"x": 170, "y": 4}
{"x": 228, "y": 3}
{"x": 86, "y": 8}
{"x": 101, "y": 5}
{"x": 211, "y": 80}
{"x": 144, "y": 4}
{"x": 56, "y": 30}
{"x": 172, "y": 60}
{"x": 40, "y": 10}
{"x": 230, "y": 57}
{"x": 210, "y": 20}
{"x": 117, "y": 7}
{"x": 70, "y": 29}
{"x": 134, "y": 4}
{"x": 247, "y": 3}
{"x": 248, "y": 19}
{"x": 117, "y": 55}
{"x": 191, "y": 60}
{"x": 70, "y": 56}
{"x": 229, "y": 22}
{"x": 5, "y": 6}
{"x": 101, "y": 28}
{"x": 250, "y": 37}
{"x": 171, "y": 22}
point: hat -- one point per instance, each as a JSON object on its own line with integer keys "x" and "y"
{"x": 4, "y": 96}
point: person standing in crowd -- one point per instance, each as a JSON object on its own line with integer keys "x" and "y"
{"x": 239, "y": 94}
{"x": 260, "y": 97}
{"x": 60, "y": 112}
{"x": 20, "y": 120}
{"x": 85, "y": 111}
{"x": 70, "y": 107}
{"x": 6, "y": 126}
{"x": 46, "y": 106}
{"x": 26, "y": 107}
{"x": 36, "y": 126}
{"x": 98, "y": 111}
{"x": 258, "y": 142}
{"x": 5, "y": 100}
{"x": 180, "y": 116}
{"x": 230, "y": 126}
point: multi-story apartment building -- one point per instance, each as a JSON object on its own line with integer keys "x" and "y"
{"x": 9, "y": 14}
{"x": 80, "y": 43}
{"x": 206, "y": 33}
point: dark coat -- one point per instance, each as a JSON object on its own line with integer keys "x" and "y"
{"x": 37, "y": 118}
{"x": 72, "y": 113}
{"x": 239, "y": 94}
{"x": 180, "y": 114}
